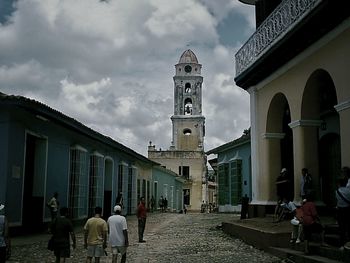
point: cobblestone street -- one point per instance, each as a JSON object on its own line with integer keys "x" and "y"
{"x": 170, "y": 238}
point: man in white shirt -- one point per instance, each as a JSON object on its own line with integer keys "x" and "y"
{"x": 118, "y": 234}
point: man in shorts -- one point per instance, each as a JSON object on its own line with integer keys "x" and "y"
{"x": 118, "y": 234}
{"x": 95, "y": 236}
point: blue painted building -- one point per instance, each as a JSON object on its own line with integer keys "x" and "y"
{"x": 44, "y": 151}
{"x": 233, "y": 168}
{"x": 169, "y": 185}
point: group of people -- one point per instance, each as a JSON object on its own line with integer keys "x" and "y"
{"x": 205, "y": 207}
{"x": 163, "y": 204}
{"x": 305, "y": 218}
{"x": 97, "y": 234}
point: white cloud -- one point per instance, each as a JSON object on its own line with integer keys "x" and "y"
{"x": 110, "y": 64}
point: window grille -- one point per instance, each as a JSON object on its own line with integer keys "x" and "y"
{"x": 132, "y": 202}
{"x": 223, "y": 184}
{"x": 78, "y": 179}
{"x": 95, "y": 183}
{"x": 236, "y": 181}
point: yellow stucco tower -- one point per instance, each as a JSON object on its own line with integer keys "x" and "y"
{"x": 186, "y": 153}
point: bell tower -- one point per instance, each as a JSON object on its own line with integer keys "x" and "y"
{"x": 188, "y": 122}
{"x": 186, "y": 156}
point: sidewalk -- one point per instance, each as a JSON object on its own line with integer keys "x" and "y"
{"x": 274, "y": 238}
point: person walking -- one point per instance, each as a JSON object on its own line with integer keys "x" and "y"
{"x": 161, "y": 203}
{"x": 283, "y": 186}
{"x": 283, "y": 191}
{"x": 152, "y": 204}
{"x": 95, "y": 236}
{"x": 118, "y": 234}
{"x": 343, "y": 210}
{"x": 165, "y": 204}
{"x": 141, "y": 216}
{"x": 4, "y": 237}
{"x": 305, "y": 183}
{"x": 53, "y": 204}
{"x": 62, "y": 230}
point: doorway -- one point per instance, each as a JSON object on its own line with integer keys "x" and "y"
{"x": 186, "y": 195}
{"x": 329, "y": 156}
{"x": 34, "y": 182}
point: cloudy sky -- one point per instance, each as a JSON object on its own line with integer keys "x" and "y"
{"x": 109, "y": 64}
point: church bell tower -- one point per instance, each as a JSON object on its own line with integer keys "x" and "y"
{"x": 188, "y": 121}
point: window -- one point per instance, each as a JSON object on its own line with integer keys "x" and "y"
{"x": 184, "y": 171}
{"x": 148, "y": 192}
{"x": 223, "y": 183}
{"x": 78, "y": 178}
{"x": 236, "y": 181}
{"x": 188, "y": 106}
{"x": 187, "y": 131}
{"x": 132, "y": 195}
{"x": 186, "y": 196}
{"x": 155, "y": 191}
{"x": 95, "y": 182}
{"x": 144, "y": 188}
{"x": 120, "y": 179}
{"x": 171, "y": 197}
{"x": 187, "y": 87}
{"x": 165, "y": 191}
{"x": 138, "y": 189}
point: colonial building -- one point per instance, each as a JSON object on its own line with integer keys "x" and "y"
{"x": 169, "y": 185}
{"x": 233, "y": 168}
{"x": 44, "y": 151}
{"x": 186, "y": 154}
{"x": 296, "y": 70}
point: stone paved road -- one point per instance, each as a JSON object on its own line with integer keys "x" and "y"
{"x": 170, "y": 238}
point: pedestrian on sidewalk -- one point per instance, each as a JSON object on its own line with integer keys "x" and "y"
{"x": 283, "y": 186}
{"x": 53, "y": 205}
{"x": 5, "y": 248}
{"x": 161, "y": 204}
{"x": 152, "y": 204}
{"x": 165, "y": 204}
{"x": 343, "y": 210}
{"x": 95, "y": 236}
{"x": 141, "y": 216}
{"x": 118, "y": 234}
{"x": 62, "y": 230}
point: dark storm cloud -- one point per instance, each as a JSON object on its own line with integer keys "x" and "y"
{"x": 110, "y": 64}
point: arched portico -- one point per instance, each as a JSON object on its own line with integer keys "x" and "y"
{"x": 316, "y": 136}
{"x": 278, "y": 141}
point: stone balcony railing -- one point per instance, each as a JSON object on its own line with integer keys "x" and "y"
{"x": 281, "y": 21}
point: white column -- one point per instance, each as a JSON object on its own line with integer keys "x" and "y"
{"x": 254, "y": 142}
{"x": 343, "y": 110}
